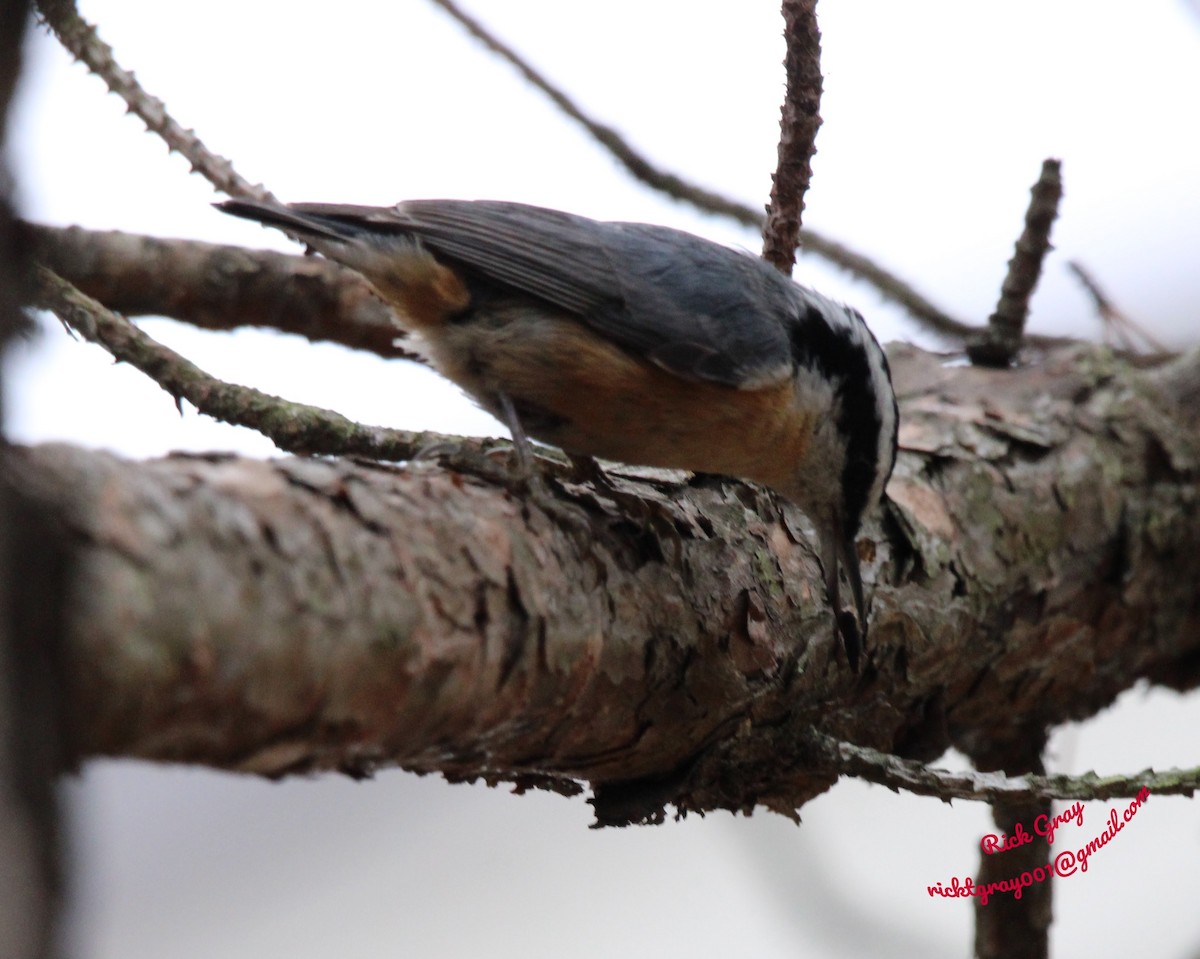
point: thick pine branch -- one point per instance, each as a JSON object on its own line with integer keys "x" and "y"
{"x": 662, "y": 641}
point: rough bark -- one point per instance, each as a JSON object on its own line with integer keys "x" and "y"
{"x": 663, "y": 640}
{"x": 218, "y": 287}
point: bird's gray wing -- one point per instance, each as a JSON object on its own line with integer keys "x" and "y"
{"x": 691, "y": 306}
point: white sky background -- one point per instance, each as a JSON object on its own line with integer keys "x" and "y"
{"x": 937, "y": 117}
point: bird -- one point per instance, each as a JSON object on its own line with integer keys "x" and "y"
{"x": 635, "y": 343}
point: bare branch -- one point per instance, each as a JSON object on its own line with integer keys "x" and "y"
{"x": 890, "y": 286}
{"x": 1114, "y": 320}
{"x": 222, "y": 287}
{"x": 800, "y": 118}
{"x": 636, "y": 163}
{"x": 295, "y": 427}
{"x": 84, "y": 43}
{"x": 898, "y": 774}
{"x": 218, "y": 287}
{"x": 999, "y": 343}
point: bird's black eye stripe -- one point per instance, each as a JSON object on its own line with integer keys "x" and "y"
{"x": 838, "y": 355}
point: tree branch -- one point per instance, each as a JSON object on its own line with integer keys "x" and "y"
{"x": 218, "y": 287}
{"x": 641, "y": 168}
{"x": 295, "y": 427}
{"x": 998, "y": 344}
{"x": 914, "y": 777}
{"x": 1116, "y": 322}
{"x": 800, "y": 118}
{"x": 663, "y": 641}
{"x": 83, "y": 42}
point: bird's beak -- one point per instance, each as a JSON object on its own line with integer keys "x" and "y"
{"x": 835, "y": 550}
{"x": 850, "y": 561}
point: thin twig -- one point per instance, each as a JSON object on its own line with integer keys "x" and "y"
{"x": 637, "y": 164}
{"x": 890, "y": 286}
{"x": 999, "y": 343}
{"x": 84, "y": 43}
{"x": 799, "y": 120}
{"x": 294, "y": 427}
{"x": 897, "y": 774}
{"x": 1113, "y": 319}
{"x": 887, "y": 284}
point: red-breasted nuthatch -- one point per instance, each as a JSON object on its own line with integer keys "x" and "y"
{"x": 635, "y": 343}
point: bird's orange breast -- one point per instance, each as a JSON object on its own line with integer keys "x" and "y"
{"x": 576, "y": 390}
